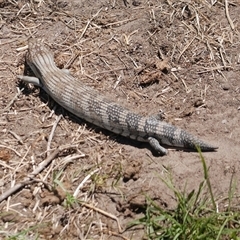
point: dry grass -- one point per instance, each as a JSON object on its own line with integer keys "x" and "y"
{"x": 56, "y": 172}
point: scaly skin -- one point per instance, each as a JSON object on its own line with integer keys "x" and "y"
{"x": 90, "y": 105}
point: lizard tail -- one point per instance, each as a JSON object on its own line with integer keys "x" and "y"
{"x": 192, "y": 142}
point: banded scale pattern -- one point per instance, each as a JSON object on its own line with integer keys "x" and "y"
{"x": 90, "y": 105}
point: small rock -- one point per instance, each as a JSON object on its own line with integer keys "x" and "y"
{"x": 136, "y": 3}
{"x": 9, "y": 216}
{"x": 199, "y": 102}
{"x": 225, "y": 86}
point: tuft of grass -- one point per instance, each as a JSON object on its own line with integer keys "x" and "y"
{"x": 196, "y": 215}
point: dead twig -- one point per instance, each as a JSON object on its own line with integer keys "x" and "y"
{"x": 115, "y": 234}
{"x": 88, "y": 23}
{"x": 228, "y": 16}
{"x": 15, "y": 135}
{"x": 10, "y": 148}
{"x": 84, "y": 180}
{"x": 19, "y": 91}
{"x": 52, "y": 133}
{"x": 105, "y": 214}
{"x": 185, "y": 48}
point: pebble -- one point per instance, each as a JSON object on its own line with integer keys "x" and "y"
{"x": 225, "y": 86}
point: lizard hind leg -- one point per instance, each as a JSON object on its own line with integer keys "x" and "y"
{"x": 154, "y": 143}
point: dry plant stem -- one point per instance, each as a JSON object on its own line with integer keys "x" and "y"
{"x": 10, "y": 41}
{"x": 120, "y": 22}
{"x": 17, "y": 137}
{"x": 115, "y": 234}
{"x": 228, "y": 16}
{"x": 105, "y": 214}
{"x": 69, "y": 159}
{"x": 221, "y": 54}
{"x": 185, "y": 48}
{"x": 89, "y": 21}
{"x": 108, "y": 71}
{"x": 84, "y": 180}
{"x": 16, "y": 152}
{"x": 40, "y": 168}
{"x": 19, "y": 91}
{"x": 17, "y": 169}
{"x": 6, "y": 165}
{"x": 52, "y": 132}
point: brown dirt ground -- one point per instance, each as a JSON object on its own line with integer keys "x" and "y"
{"x": 180, "y": 58}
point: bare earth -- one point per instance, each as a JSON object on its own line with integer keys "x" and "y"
{"x": 177, "y": 58}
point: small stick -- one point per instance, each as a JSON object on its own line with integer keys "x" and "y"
{"x": 13, "y": 100}
{"x": 21, "y": 161}
{"x": 88, "y": 23}
{"x": 84, "y": 180}
{"x": 16, "y": 152}
{"x": 115, "y": 234}
{"x": 105, "y": 214}
{"x": 17, "y": 137}
{"x": 10, "y": 41}
{"x": 228, "y": 16}
{"x": 221, "y": 54}
{"x": 185, "y": 48}
{"x": 52, "y": 133}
